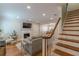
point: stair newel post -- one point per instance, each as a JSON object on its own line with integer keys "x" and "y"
{"x": 44, "y": 47}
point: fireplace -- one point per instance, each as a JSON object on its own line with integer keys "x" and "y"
{"x": 26, "y": 35}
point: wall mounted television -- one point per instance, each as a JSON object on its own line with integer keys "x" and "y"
{"x": 27, "y": 25}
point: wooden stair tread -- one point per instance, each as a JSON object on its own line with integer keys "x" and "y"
{"x": 69, "y": 20}
{"x": 72, "y": 26}
{"x": 72, "y": 17}
{"x": 69, "y": 34}
{"x": 68, "y": 46}
{"x": 69, "y": 30}
{"x": 77, "y": 10}
{"x": 62, "y": 53}
{"x": 70, "y": 40}
{"x": 72, "y": 23}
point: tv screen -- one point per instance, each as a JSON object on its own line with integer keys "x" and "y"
{"x": 27, "y": 25}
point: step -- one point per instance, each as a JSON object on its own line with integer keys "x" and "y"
{"x": 71, "y": 28}
{"x": 69, "y": 37}
{"x": 69, "y": 51}
{"x": 69, "y": 43}
{"x": 73, "y": 19}
{"x": 73, "y": 11}
{"x": 71, "y": 32}
{"x": 72, "y": 23}
{"x": 62, "y": 53}
{"x": 69, "y": 40}
{"x": 73, "y": 16}
{"x": 68, "y": 46}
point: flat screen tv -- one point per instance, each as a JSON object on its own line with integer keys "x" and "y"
{"x": 27, "y": 25}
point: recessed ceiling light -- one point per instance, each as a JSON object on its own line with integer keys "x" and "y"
{"x": 17, "y": 17}
{"x": 43, "y": 14}
{"x": 28, "y": 7}
{"x": 29, "y": 19}
{"x": 51, "y": 18}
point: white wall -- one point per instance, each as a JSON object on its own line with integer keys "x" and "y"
{"x": 73, "y": 6}
{"x": 9, "y": 25}
{"x": 35, "y": 31}
{"x": 46, "y": 27}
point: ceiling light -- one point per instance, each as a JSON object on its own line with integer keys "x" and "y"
{"x": 51, "y": 18}
{"x": 17, "y": 17}
{"x": 28, "y": 7}
{"x": 29, "y": 19}
{"x": 43, "y": 14}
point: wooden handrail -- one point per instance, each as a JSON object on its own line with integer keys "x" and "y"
{"x": 45, "y": 40}
{"x": 56, "y": 26}
{"x": 48, "y": 37}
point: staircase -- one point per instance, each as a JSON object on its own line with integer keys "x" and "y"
{"x": 68, "y": 41}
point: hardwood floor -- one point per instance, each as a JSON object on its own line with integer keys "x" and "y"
{"x": 48, "y": 51}
{"x": 12, "y": 50}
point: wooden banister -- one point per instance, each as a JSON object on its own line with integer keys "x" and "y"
{"x": 45, "y": 40}
{"x": 53, "y": 31}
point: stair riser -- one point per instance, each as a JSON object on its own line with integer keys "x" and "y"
{"x": 73, "y": 19}
{"x": 75, "y": 28}
{"x": 71, "y": 24}
{"x": 69, "y": 43}
{"x": 62, "y": 53}
{"x": 71, "y": 32}
{"x": 70, "y": 37}
{"x": 73, "y": 13}
{"x": 73, "y": 16}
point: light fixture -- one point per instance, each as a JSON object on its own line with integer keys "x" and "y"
{"x": 51, "y": 18}
{"x": 29, "y": 19}
{"x": 43, "y": 14}
{"x": 28, "y": 7}
{"x": 17, "y": 17}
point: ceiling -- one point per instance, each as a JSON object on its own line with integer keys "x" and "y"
{"x": 20, "y": 11}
